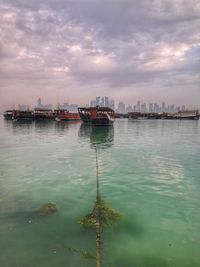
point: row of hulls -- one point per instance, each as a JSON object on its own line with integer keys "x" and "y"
{"x": 181, "y": 115}
{"x": 93, "y": 115}
{"x": 41, "y": 115}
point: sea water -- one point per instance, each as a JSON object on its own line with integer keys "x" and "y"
{"x": 149, "y": 172}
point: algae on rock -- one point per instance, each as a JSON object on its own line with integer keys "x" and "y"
{"x": 48, "y": 208}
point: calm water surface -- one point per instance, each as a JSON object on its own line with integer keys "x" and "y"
{"x": 149, "y": 171}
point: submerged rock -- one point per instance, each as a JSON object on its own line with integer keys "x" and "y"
{"x": 48, "y": 208}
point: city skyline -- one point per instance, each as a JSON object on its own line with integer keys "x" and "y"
{"x": 119, "y": 107}
{"x": 76, "y": 50}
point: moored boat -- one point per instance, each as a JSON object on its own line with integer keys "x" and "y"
{"x": 183, "y": 115}
{"x": 8, "y": 114}
{"x": 85, "y": 114}
{"x": 97, "y": 116}
{"x": 144, "y": 116}
{"x": 65, "y": 115}
{"x": 44, "y": 114}
{"x": 23, "y": 115}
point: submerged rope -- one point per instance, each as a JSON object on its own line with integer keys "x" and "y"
{"x": 98, "y": 225}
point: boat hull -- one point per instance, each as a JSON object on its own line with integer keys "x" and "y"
{"x": 101, "y": 122}
{"x": 19, "y": 115}
{"x": 8, "y": 115}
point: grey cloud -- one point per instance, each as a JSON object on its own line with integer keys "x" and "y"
{"x": 112, "y": 44}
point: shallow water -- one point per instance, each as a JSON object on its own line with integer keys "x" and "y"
{"x": 149, "y": 171}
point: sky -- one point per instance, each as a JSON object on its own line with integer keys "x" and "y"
{"x": 74, "y": 50}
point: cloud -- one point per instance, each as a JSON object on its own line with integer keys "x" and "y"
{"x": 99, "y": 47}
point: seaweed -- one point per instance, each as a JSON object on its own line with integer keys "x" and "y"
{"x": 85, "y": 253}
{"x": 102, "y": 216}
{"x": 102, "y": 213}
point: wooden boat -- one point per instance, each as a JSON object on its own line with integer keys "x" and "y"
{"x": 85, "y": 114}
{"x": 144, "y": 116}
{"x": 65, "y": 115}
{"x": 182, "y": 115}
{"x": 97, "y": 116}
{"x": 23, "y": 115}
{"x": 100, "y": 117}
{"x": 44, "y": 114}
{"x": 8, "y": 114}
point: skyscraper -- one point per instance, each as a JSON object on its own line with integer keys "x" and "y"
{"x": 98, "y": 101}
{"x": 163, "y": 107}
{"x": 138, "y": 106}
{"x": 121, "y": 108}
{"x": 39, "y": 103}
{"x": 106, "y": 101}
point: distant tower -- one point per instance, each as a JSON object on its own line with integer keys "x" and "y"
{"x": 39, "y": 103}
{"x": 150, "y": 107}
{"x": 106, "y": 101}
{"x": 138, "y": 106}
{"x": 121, "y": 108}
{"x": 98, "y": 101}
{"x": 111, "y": 104}
{"x": 102, "y": 102}
{"x": 163, "y": 107}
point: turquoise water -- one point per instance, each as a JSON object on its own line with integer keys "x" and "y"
{"x": 149, "y": 171}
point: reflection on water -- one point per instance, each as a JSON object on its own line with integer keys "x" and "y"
{"x": 85, "y": 130}
{"x": 149, "y": 171}
{"x": 100, "y": 137}
{"x": 19, "y": 125}
{"x": 102, "y": 215}
{"x": 39, "y": 125}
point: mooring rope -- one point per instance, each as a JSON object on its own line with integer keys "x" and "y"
{"x": 98, "y": 225}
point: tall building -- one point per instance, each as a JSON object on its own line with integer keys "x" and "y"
{"x": 111, "y": 104}
{"x": 98, "y": 101}
{"x": 39, "y": 103}
{"x": 93, "y": 103}
{"x": 121, "y": 108}
{"x": 143, "y": 108}
{"x": 102, "y": 104}
{"x": 138, "y": 106}
{"x": 163, "y": 107}
{"x": 183, "y": 108}
{"x": 150, "y": 107}
{"x": 129, "y": 109}
{"x": 106, "y": 101}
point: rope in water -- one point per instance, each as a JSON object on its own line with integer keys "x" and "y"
{"x": 97, "y": 225}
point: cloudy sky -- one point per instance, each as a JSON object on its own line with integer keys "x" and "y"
{"x": 74, "y": 50}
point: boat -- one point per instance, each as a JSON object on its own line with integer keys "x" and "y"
{"x": 182, "y": 115}
{"x": 101, "y": 117}
{"x": 44, "y": 114}
{"x": 23, "y": 115}
{"x": 8, "y": 114}
{"x": 97, "y": 116}
{"x": 85, "y": 114}
{"x": 144, "y": 116}
{"x": 65, "y": 115}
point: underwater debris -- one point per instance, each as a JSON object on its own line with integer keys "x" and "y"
{"x": 102, "y": 213}
{"x": 48, "y": 208}
{"x": 85, "y": 253}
